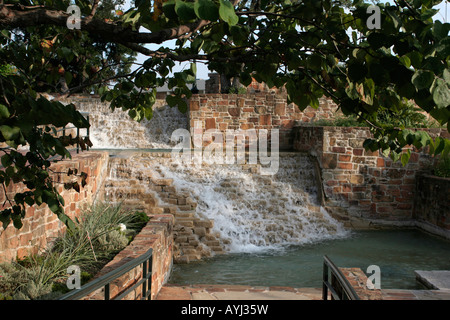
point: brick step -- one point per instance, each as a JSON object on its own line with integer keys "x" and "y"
{"x": 185, "y": 207}
{"x": 186, "y": 222}
{"x": 216, "y": 249}
{"x": 169, "y": 200}
{"x": 185, "y": 214}
{"x": 162, "y": 181}
{"x": 194, "y": 257}
{"x": 212, "y": 243}
{"x": 208, "y": 224}
{"x": 155, "y": 210}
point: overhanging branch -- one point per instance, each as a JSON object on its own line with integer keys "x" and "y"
{"x": 22, "y": 17}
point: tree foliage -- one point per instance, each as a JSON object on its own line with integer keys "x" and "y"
{"x": 312, "y": 48}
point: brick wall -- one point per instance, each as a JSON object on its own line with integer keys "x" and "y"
{"x": 432, "y": 201}
{"x": 259, "y": 110}
{"x": 40, "y": 225}
{"x": 365, "y": 183}
{"x": 156, "y": 235}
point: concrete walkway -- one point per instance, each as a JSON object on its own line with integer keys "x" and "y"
{"x": 237, "y": 292}
{"x": 437, "y": 282}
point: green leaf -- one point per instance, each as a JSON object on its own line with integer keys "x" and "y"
{"x": 405, "y": 158}
{"x": 428, "y": 13}
{"x": 17, "y": 221}
{"x": 68, "y": 77}
{"x": 6, "y": 160}
{"x": 9, "y": 133}
{"x": 227, "y": 14}
{"x": 185, "y": 10}
{"x": 206, "y": 10}
{"x": 422, "y": 79}
{"x": 441, "y": 94}
{"x": 405, "y": 60}
{"x": 5, "y": 217}
{"x": 4, "y": 112}
{"x": 415, "y": 57}
{"x": 351, "y": 91}
{"x": 66, "y": 220}
{"x": 246, "y": 78}
{"x": 440, "y": 30}
{"x": 357, "y": 71}
{"x": 421, "y": 139}
{"x": 446, "y": 75}
{"x": 169, "y": 9}
{"x": 376, "y": 40}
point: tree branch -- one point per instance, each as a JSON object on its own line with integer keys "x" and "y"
{"x": 110, "y": 31}
{"x": 94, "y": 9}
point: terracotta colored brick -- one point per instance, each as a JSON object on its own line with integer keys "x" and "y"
{"x": 265, "y": 119}
{"x": 347, "y": 166}
{"x": 210, "y": 123}
{"x": 280, "y": 109}
{"x": 345, "y": 157}
{"x": 338, "y": 149}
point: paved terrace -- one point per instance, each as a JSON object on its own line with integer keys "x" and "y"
{"x": 237, "y": 292}
{"x": 438, "y": 283}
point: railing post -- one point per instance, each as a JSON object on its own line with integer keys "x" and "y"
{"x": 107, "y": 297}
{"x": 325, "y": 281}
{"x": 78, "y": 137}
{"x": 150, "y": 272}
{"x": 144, "y": 276}
{"x": 87, "y": 131}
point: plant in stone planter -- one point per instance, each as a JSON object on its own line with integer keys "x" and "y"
{"x": 96, "y": 237}
{"x": 443, "y": 167}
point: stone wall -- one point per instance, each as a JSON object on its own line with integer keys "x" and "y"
{"x": 258, "y": 110}
{"x": 40, "y": 225}
{"x": 156, "y": 235}
{"x": 432, "y": 201}
{"x": 365, "y": 184}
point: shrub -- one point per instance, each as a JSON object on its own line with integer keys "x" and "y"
{"x": 443, "y": 167}
{"x": 95, "y": 239}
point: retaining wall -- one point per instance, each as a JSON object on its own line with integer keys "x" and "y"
{"x": 432, "y": 202}
{"x": 258, "y": 110}
{"x": 366, "y": 184}
{"x": 41, "y": 225}
{"x": 156, "y": 235}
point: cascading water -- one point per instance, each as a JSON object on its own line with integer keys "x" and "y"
{"x": 116, "y": 130}
{"x": 251, "y": 212}
{"x": 258, "y": 213}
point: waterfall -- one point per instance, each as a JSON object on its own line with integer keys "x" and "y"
{"x": 116, "y": 130}
{"x": 253, "y": 212}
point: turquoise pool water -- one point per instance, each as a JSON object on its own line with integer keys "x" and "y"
{"x": 397, "y": 252}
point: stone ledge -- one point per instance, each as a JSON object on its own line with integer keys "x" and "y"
{"x": 438, "y": 279}
{"x": 158, "y": 235}
{"x": 358, "y": 280}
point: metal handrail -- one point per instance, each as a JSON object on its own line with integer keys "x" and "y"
{"x": 105, "y": 280}
{"x": 347, "y": 292}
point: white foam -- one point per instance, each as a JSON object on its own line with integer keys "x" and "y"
{"x": 116, "y": 130}
{"x": 254, "y": 214}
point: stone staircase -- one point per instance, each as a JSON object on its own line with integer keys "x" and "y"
{"x": 136, "y": 185}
